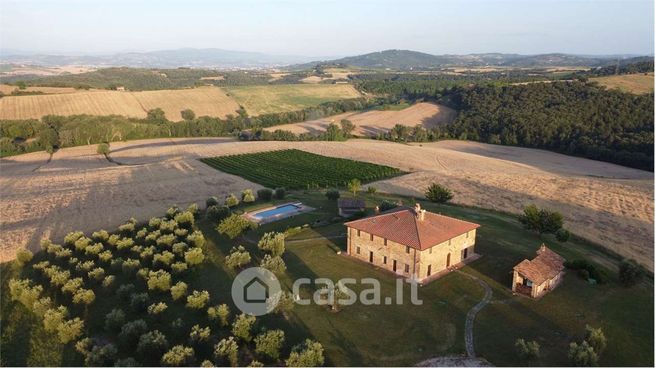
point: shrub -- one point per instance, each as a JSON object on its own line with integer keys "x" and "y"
{"x": 178, "y": 356}
{"x": 438, "y": 193}
{"x": 199, "y": 334}
{"x": 221, "y": 312}
{"x": 274, "y": 264}
{"x": 582, "y": 355}
{"x": 237, "y": 258}
{"x": 178, "y": 290}
{"x": 152, "y": 345}
{"x": 114, "y": 320}
{"x": 139, "y": 302}
{"x": 280, "y": 193}
{"x": 103, "y": 149}
{"x": 101, "y": 356}
{"x": 562, "y": 235}
{"x": 371, "y": 189}
{"x": 131, "y": 331}
{"x": 211, "y": 201}
{"x": 218, "y": 213}
{"x": 269, "y": 343}
{"x": 596, "y": 338}
{"x": 227, "y": 349}
{"x": 198, "y": 299}
{"x": 307, "y": 354}
{"x": 247, "y": 196}
{"x": 159, "y": 280}
{"x": 194, "y": 256}
{"x": 231, "y": 200}
{"x": 234, "y": 225}
{"x": 188, "y": 114}
{"x": 630, "y": 273}
{"x": 265, "y": 194}
{"x": 332, "y": 194}
{"x": 242, "y": 326}
{"x": 23, "y": 256}
{"x": 272, "y": 242}
{"x": 387, "y": 205}
{"x": 70, "y": 330}
{"x": 527, "y": 350}
{"x": 541, "y": 220}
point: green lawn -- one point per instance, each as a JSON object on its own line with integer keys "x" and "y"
{"x": 400, "y": 334}
{"x": 296, "y": 169}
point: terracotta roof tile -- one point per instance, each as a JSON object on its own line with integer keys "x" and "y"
{"x": 546, "y": 265}
{"x": 401, "y": 225}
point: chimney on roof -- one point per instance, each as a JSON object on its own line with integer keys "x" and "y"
{"x": 377, "y": 209}
{"x": 420, "y": 214}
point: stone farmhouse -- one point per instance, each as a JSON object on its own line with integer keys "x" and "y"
{"x": 412, "y": 242}
{"x": 537, "y": 277}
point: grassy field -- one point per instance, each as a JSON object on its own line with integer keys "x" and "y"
{"x": 296, "y": 169}
{"x": 635, "y": 83}
{"x": 258, "y": 100}
{"x": 395, "y": 335}
{"x": 203, "y": 101}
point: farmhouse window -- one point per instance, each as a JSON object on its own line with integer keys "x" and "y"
{"x": 371, "y": 237}
{"x": 406, "y": 249}
{"x": 358, "y": 250}
{"x": 406, "y": 268}
{"x": 429, "y": 269}
{"x": 385, "y": 242}
{"x": 430, "y": 250}
{"x": 359, "y": 233}
{"x": 384, "y": 260}
{"x": 450, "y": 241}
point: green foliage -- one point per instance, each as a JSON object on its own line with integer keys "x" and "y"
{"x": 194, "y": 257}
{"x": 237, "y": 258}
{"x": 596, "y": 339}
{"x": 386, "y": 205}
{"x": 178, "y": 356}
{"x": 22, "y": 291}
{"x": 199, "y": 334}
{"x": 41, "y": 306}
{"x": 438, "y": 193}
{"x": 114, "y": 320}
{"x": 23, "y": 256}
{"x": 280, "y": 193}
{"x": 152, "y": 345}
{"x": 197, "y": 299}
{"x": 269, "y": 343}
{"x": 307, "y": 354}
{"x": 333, "y": 194}
{"x": 157, "y": 308}
{"x": 156, "y": 115}
{"x": 164, "y": 258}
{"x": 274, "y": 264}
{"x": 100, "y": 236}
{"x": 211, "y": 201}
{"x": 242, "y": 326}
{"x": 131, "y": 331}
{"x": 84, "y": 296}
{"x": 562, "y": 235}
{"x": 185, "y": 219}
{"x": 273, "y": 243}
{"x": 231, "y": 201}
{"x": 101, "y": 356}
{"x": 227, "y": 349}
{"x": 582, "y": 355}
{"x": 354, "y": 186}
{"x": 159, "y": 280}
{"x": 179, "y": 290}
{"x": 125, "y": 291}
{"x": 247, "y": 196}
{"x": 630, "y": 273}
{"x": 220, "y": 313}
{"x": 347, "y": 127}
{"x": 188, "y": 114}
{"x": 70, "y": 330}
{"x": 54, "y": 317}
{"x": 541, "y": 220}
{"x": 587, "y": 269}
{"x": 139, "y": 302}
{"x": 371, "y": 189}
{"x": 265, "y": 194}
{"x": 527, "y": 350}
{"x": 234, "y": 225}
{"x": 218, "y": 213}
{"x": 302, "y": 169}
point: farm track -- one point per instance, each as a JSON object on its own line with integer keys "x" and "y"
{"x": 78, "y": 189}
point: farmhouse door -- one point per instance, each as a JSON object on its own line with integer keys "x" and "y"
{"x": 448, "y": 260}
{"x": 466, "y": 252}
{"x": 370, "y": 257}
{"x": 429, "y": 269}
{"x": 394, "y": 265}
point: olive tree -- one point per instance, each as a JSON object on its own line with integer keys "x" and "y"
{"x": 23, "y": 256}
{"x": 114, "y": 320}
{"x": 234, "y": 225}
{"x": 197, "y": 299}
{"x": 101, "y": 356}
{"x": 242, "y": 326}
{"x": 438, "y": 193}
{"x": 194, "y": 256}
{"x": 152, "y": 345}
{"x": 220, "y": 313}
{"x": 70, "y": 330}
{"x": 179, "y": 355}
{"x": 247, "y": 196}
{"x": 178, "y": 290}
{"x": 274, "y": 264}
{"x": 237, "y": 258}
{"x": 307, "y": 354}
{"x": 159, "y": 280}
{"x": 269, "y": 343}
{"x": 272, "y": 242}
{"x": 227, "y": 349}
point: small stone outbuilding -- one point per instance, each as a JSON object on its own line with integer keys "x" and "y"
{"x": 350, "y": 206}
{"x": 536, "y": 277}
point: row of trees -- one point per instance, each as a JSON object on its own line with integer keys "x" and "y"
{"x": 581, "y": 354}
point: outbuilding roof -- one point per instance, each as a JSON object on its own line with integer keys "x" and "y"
{"x": 546, "y": 265}
{"x": 351, "y": 203}
{"x": 406, "y": 226}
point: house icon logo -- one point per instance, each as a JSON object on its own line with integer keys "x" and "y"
{"x": 253, "y": 291}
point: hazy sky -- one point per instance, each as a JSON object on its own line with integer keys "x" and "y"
{"x": 329, "y": 28}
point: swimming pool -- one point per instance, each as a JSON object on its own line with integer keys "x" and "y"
{"x": 279, "y": 212}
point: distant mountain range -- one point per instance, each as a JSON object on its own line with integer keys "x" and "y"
{"x": 218, "y": 58}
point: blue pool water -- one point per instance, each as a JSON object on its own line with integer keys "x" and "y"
{"x": 277, "y": 211}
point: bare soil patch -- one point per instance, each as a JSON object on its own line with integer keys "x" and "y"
{"x": 608, "y": 204}
{"x": 372, "y": 123}
{"x": 635, "y": 83}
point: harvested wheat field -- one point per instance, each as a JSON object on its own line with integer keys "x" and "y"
{"x": 7, "y": 89}
{"x": 372, "y": 123}
{"x": 258, "y": 100}
{"x": 609, "y": 204}
{"x": 635, "y": 83}
{"x": 210, "y": 101}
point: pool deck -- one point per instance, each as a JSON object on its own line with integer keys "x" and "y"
{"x": 301, "y": 209}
